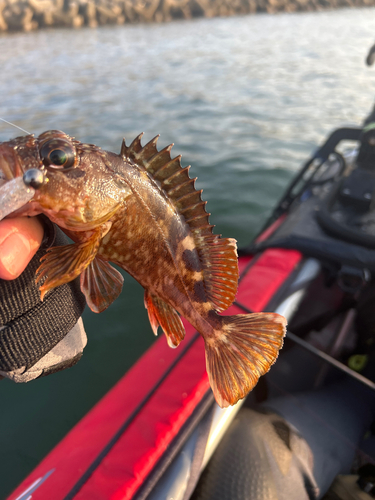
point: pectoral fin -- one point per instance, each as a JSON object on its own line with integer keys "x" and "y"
{"x": 63, "y": 264}
{"x": 101, "y": 283}
{"x": 162, "y": 314}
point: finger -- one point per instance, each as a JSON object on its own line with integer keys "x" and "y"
{"x": 20, "y": 239}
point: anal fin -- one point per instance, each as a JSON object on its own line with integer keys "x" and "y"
{"x": 101, "y": 284}
{"x": 162, "y": 314}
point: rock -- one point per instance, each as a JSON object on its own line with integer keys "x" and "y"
{"x": 88, "y": 11}
{"x": 202, "y": 8}
{"x": 130, "y": 14}
{"x": 18, "y": 16}
{"x": 252, "y": 6}
{"x": 146, "y": 9}
{"x": 109, "y": 15}
{"x": 64, "y": 20}
{"x": 27, "y": 15}
{"x": 278, "y": 4}
{"x": 3, "y": 24}
{"x": 174, "y": 9}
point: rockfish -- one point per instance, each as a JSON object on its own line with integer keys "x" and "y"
{"x": 141, "y": 211}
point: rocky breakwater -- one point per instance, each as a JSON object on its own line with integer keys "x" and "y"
{"x": 26, "y": 15}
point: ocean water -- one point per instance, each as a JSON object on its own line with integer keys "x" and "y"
{"x": 245, "y": 100}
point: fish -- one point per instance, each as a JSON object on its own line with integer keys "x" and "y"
{"x": 140, "y": 210}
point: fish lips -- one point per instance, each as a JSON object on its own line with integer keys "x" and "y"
{"x": 10, "y": 165}
{"x": 19, "y": 158}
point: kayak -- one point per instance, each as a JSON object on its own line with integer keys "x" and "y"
{"x": 157, "y": 432}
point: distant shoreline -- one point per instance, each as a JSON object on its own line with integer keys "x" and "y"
{"x": 27, "y": 15}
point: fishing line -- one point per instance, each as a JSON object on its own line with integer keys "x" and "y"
{"x": 16, "y": 126}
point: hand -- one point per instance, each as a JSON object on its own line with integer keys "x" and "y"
{"x": 20, "y": 239}
{"x": 24, "y": 319}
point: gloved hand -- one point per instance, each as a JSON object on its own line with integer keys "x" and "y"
{"x": 36, "y": 338}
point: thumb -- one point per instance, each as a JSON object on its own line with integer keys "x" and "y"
{"x": 20, "y": 239}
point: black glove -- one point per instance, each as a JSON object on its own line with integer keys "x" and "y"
{"x": 38, "y": 338}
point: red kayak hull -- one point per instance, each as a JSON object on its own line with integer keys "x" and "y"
{"x": 110, "y": 453}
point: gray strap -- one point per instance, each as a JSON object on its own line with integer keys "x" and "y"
{"x": 64, "y": 355}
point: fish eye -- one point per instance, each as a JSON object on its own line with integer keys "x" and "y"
{"x": 58, "y": 154}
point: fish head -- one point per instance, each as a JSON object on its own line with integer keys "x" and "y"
{"x": 79, "y": 190}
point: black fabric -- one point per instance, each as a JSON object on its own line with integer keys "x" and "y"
{"x": 29, "y": 328}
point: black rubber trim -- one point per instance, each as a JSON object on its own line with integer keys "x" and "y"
{"x": 95, "y": 464}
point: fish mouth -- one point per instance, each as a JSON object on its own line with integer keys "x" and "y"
{"x": 17, "y": 156}
{"x": 15, "y": 193}
{"x": 10, "y": 166}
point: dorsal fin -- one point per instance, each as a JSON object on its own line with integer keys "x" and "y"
{"x": 218, "y": 255}
{"x": 173, "y": 179}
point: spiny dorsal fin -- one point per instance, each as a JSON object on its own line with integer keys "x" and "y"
{"x": 218, "y": 256}
{"x": 174, "y": 179}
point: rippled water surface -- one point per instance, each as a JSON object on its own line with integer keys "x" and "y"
{"x": 244, "y": 99}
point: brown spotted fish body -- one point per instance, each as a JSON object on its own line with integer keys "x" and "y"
{"x": 141, "y": 211}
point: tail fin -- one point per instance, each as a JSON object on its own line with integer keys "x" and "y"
{"x": 244, "y": 350}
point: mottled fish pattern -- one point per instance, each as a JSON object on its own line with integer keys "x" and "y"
{"x": 141, "y": 211}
